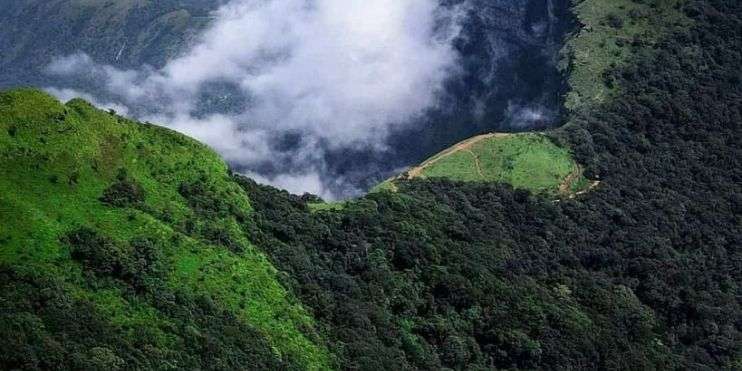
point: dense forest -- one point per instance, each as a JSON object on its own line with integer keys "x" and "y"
{"x": 641, "y": 273}
{"x": 159, "y": 258}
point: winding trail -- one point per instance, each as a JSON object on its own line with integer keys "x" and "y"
{"x": 476, "y": 162}
{"x": 568, "y": 182}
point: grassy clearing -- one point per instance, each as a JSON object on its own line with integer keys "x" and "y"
{"x": 56, "y": 161}
{"x": 526, "y": 161}
{"x": 612, "y": 31}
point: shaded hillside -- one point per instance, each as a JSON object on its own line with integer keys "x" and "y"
{"x": 122, "y": 33}
{"x": 610, "y": 35}
{"x": 123, "y": 244}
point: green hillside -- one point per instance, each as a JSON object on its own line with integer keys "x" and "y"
{"x": 144, "y": 231}
{"x": 611, "y": 34}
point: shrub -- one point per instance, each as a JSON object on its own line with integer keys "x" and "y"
{"x": 96, "y": 253}
{"x": 123, "y": 193}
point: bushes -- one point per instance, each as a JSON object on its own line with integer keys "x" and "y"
{"x": 124, "y": 192}
{"x": 44, "y": 327}
{"x": 139, "y": 263}
{"x": 96, "y": 253}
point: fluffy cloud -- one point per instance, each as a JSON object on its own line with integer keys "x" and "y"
{"x": 336, "y": 73}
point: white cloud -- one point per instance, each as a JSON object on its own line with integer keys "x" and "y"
{"x": 308, "y": 182}
{"x": 71, "y": 64}
{"x": 338, "y": 72}
{"x": 65, "y": 95}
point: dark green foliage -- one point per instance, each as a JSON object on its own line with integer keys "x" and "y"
{"x": 125, "y": 192}
{"x": 439, "y": 279}
{"x": 205, "y": 200}
{"x": 96, "y": 253}
{"x": 643, "y": 272}
{"x": 615, "y": 21}
{"x": 44, "y": 328}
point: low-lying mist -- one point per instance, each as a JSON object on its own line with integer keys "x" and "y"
{"x": 331, "y": 96}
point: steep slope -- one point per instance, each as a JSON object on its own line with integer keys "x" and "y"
{"x": 123, "y": 33}
{"x": 611, "y": 35}
{"x": 140, "y": 230}
{"x": 644, "y": 272}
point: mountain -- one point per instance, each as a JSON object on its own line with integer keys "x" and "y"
{"x": 124, "y": 245}
{"x": 507, "y": 50}
{"x": 121, "y": 33}
{"x": 130, "y": 241}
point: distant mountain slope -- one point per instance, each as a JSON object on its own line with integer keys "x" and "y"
{"x": 122, "y": 33}
{"x": 140, "y": 233}
{"x": 612, "y": 34}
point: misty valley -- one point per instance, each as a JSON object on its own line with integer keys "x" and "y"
{"x": 491, "y": 66}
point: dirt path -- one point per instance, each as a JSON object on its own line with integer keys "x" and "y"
{"x": 476, "y": 162}
{"x": 417, "y": 171}
{"x": 566, "y": 184}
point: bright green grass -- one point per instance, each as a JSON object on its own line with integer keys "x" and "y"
{"x": 600, "y": 47}
{"x": 55, "y": 162}
{"x": 526, "y": 161}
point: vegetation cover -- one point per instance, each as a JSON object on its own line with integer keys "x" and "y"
{"x": 530, "y": 161}
{"x": 611, "y": 33}
{"x": 127, "y": 246}
{"x": 124, "y": 244}
{"x": 643, "y": 272}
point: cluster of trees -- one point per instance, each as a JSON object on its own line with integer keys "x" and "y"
{"x": 125, "y": 192}
{"x": 643, "y": 272}
{"x": 47, "y": 327}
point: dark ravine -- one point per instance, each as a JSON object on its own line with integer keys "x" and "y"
{"x": 510, "y": 51}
